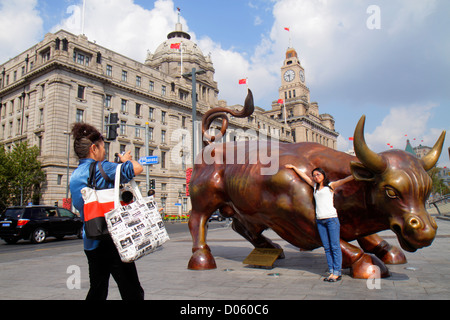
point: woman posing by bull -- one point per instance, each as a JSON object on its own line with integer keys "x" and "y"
{"x": 326, "y": 217}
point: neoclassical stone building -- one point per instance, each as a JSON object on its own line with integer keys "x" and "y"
{"x": 66, "y": 78}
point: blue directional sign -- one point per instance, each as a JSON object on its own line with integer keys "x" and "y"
{"x": 145, "y": 161}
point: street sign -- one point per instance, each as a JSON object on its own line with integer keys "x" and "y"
{"x": 145, "y": 161}
{"x": 178, "y": 204}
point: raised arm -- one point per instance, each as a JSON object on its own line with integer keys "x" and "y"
{"x": 338, "y": 183}
{"x": 302, "y": 175}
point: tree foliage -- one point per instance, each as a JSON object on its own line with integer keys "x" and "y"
{"x": 21, "y": 175}
{"x": 438, "y": 184}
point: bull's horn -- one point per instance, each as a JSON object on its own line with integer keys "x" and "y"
{"x": 429, "y": 161}
{"x": 371, "y": 160}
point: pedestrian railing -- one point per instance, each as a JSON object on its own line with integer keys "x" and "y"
{"x": 442, "y": 206}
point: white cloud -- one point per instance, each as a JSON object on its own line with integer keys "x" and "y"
{"x": 123, "y": 26}
{"x": 408, "y": 123}
{"x": 258, "y": 21}
{"x": 17, "y": 37}
{"x": 402, "y": 123}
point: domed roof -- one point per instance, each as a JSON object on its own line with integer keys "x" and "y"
{"x": 178, "y": 36}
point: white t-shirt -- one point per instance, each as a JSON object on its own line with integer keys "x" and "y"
{"x": 324, "y": 203}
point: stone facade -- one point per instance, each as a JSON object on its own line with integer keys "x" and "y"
{"x": 66, "y": 78}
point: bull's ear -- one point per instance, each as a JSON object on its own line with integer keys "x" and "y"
{"x": 360, "y": 172}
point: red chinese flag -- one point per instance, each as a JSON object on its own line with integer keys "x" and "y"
{"x": 175, "y": 46}
{"x": 280, "y": 101}
{"x": 67, "y": 203}
{"x": 188, "y": 179}
{"x": 351, "y": 138}
{"x": 287, "y": 29}
{"x": 242, "y": 81}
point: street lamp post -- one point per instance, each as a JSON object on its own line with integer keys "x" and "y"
{"x": 68, "y": 162}
{"x": 194, "y": 74}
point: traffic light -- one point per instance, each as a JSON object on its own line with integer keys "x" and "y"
{"x": 111, "y": 133}
{"x": 152, "y": 184}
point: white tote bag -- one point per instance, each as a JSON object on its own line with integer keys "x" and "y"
{"x": 136, "y": 228}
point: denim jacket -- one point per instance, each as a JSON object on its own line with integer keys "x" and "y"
{"x": 78, "y": 181}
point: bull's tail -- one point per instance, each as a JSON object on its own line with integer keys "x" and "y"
{"x": 221, "y": 112}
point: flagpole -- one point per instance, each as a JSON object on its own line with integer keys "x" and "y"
{"x": 82, "y": 17}
{"x": 288, "y": 29}
{"x": 290, "y": 39}
{"x": 181, "y": 52}
{"x": 285, "y": 112}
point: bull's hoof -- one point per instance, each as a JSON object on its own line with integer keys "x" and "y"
{"x": 394, "y": 256}
{"x": 369, "y": 266}
{"x": 202, "y": 259}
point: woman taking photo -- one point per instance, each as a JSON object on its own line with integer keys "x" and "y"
{"x": 326, "y": 217}
{"x": 102, "y": 255}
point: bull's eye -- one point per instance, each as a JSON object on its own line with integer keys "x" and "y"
{"x": 391, "y": 193}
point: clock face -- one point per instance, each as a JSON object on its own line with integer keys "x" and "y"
{"x": 289, "y": 75}
{"x": 302, "y": 76}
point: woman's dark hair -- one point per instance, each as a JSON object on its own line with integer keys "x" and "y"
{"x": 84, "y": 136}
{"x": 326, "y": 182}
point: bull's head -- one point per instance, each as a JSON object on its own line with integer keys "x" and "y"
{"x": 400, "y": 188}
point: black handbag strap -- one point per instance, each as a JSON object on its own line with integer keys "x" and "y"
{"x": 92, "y": 182}
{"x": 105, "y": 176}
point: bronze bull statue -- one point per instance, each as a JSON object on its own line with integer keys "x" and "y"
{"x": 389, "y": 192}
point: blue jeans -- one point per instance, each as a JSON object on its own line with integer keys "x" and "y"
{"x": 329, "y": 231}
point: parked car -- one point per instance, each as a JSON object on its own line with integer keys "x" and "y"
{"x": 36, "y": 223}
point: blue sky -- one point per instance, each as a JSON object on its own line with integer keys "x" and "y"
{"x": 396, "y": 74}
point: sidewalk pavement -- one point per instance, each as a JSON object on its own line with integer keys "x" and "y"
{"x": 164, "y": 274}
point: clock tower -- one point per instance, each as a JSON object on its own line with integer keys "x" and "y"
{"x": 294, "y": 108}
{"x": 293, "y": 83}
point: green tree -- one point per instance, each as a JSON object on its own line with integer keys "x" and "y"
{"x": 438, "y": 184}
{"x": 21, "y": 175}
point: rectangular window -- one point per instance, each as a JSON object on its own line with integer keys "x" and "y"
{"x": 150, "y": 133}
{"x": 108, "y": 101}
{"x": 81, "y": 58}
{"x": 123, "y": 127}
{"x": 163, "y": 90}
{"x": 163, "y": 160}
{"x": 151, "y": 86}
{"x": 137, "y": 131}
{"x": 151, "y": 113}
{"x": 124, "y": 75}
{"x": 80, "y": 93}
{"x": 138, "y": 81}
{"x": 79, "y": 116}
{"x": 138, "y": 109}
{"x": 163, "y": 136}
{"x": 45, "y": 56}
{"x": 41, "y": 116}
{"x": 137, "y": 153}
{"x": 109, "y": 70}
{"x": 123, "y": 105}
